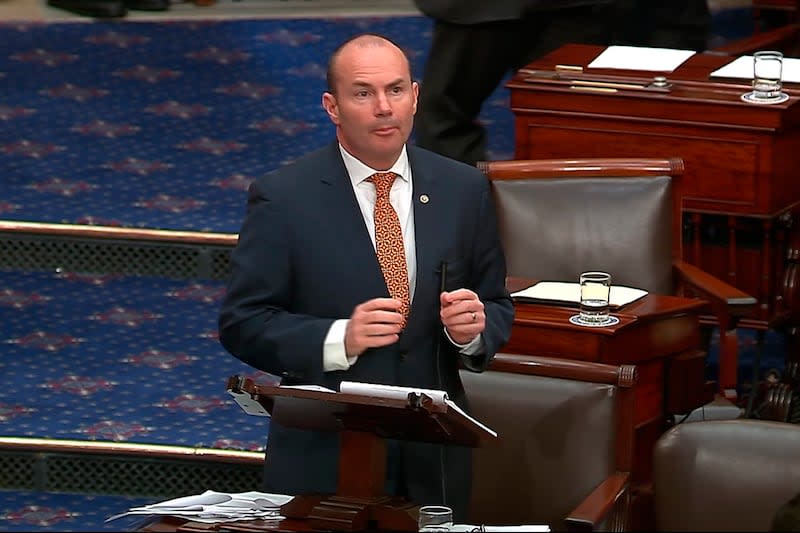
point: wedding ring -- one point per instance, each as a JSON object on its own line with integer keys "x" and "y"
{"x": 474, "y": 317}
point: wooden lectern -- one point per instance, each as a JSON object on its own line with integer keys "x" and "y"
{"x": 363, "y": 422}
{"x": 740, "y": 192}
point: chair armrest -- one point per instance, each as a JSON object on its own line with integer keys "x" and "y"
{"x": 728, "y": 304}
{"x": 606, "y": 508}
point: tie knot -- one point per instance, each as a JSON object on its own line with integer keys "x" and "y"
{"x": 383, "y": 182}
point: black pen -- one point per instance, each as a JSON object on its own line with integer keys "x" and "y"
{"x": 438, "y": 349}
{"x": 438, "y": 362}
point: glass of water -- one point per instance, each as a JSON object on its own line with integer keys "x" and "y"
{"x": 435, "y": 518}
{"x": 767, "y": 74}
{"x": 595, "y": 290}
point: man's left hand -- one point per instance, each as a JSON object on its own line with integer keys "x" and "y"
{"x": 462, "y": 314}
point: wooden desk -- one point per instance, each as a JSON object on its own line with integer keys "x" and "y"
{"x": 658, "y": 334}
{"x": 740, "y": 192}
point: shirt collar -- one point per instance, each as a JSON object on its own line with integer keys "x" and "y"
{"x": 358, "y": 171}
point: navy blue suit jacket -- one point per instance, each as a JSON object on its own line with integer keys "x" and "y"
{"x": 304, "y": 259}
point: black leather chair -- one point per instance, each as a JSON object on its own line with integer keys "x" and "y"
{"x": 559, "y": 217}
{"x": 725, "y": 475}
{"x": 565, "y": 443}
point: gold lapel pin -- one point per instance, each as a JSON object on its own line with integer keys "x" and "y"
{"x": 424, "y": 199}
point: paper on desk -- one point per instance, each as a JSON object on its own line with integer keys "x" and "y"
{"x": 742, "y": 68}
{"x": 507, "y": 529}
{"x": 569, "y": 293}
{"x": 212, "y": 507}
{"x": 641, "y": 58}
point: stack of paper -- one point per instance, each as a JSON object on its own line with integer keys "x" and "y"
{"x": 466, "y": 528}
{"x": 212, "y": 507}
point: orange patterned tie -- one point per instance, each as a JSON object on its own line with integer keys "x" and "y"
{"x": 389, "y": 240}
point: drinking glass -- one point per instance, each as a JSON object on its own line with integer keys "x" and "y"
{"x": 435, "y": 518}
{"x": 595, "y": 290}
{"x": 767, "y": 74}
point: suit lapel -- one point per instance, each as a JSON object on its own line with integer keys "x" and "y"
{"x": 424, "y": 197}
{"x": 340, "y": 200}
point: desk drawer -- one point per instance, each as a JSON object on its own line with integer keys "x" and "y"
{"x": 554, "y": 342}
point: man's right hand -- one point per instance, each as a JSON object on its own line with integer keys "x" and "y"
{"x": 374, "y": 323}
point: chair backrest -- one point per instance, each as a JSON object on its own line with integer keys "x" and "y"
{"x": 725, "y": 475}
{"x": 560, "y": 217}
{"x": 564, "y": 427}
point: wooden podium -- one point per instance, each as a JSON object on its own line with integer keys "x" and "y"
{"x": 363, "y": 422}
{"x": 740, "y": 192}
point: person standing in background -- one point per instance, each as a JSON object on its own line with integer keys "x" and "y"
{"x": 314, "y": 298}
{"x": 476, "y": 44}
{"x": 681, "y": 24}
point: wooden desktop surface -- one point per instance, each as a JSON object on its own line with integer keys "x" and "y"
{"x": 649, "y": 329}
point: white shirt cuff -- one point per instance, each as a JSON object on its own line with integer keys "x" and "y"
{"x": 473, "y": 347}
{"x": 334, "y": 355}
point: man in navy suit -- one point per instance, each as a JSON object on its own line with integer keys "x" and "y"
{"x": 307, "y": 300}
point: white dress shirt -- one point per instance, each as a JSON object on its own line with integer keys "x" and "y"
{"x": 334, "y": 356}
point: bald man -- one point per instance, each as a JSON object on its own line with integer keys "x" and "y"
{"x": 307, "y": 299}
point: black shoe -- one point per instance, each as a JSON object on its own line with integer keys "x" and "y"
{"x": 147, "y": 5}
{"x": 92, "y": 8}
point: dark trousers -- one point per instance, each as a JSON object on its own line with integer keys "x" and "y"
{"x": 682, "y": 24}
{"x": 466, "y": 63}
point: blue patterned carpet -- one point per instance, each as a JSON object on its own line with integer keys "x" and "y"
{"x": 38, "y": 511}
{"x": 119, "y": 359}
{"x": 164, "y": 125}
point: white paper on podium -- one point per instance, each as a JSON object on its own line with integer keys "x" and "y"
{"x": 742, "y": 68}
{"x": 389, "y": 391}
{"x": 401, "y": 393}
{"x": 641, "y": 58}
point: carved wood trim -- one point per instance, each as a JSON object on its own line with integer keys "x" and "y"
{"x": 581, "y": 168}
{"x": 624, "y": 376}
